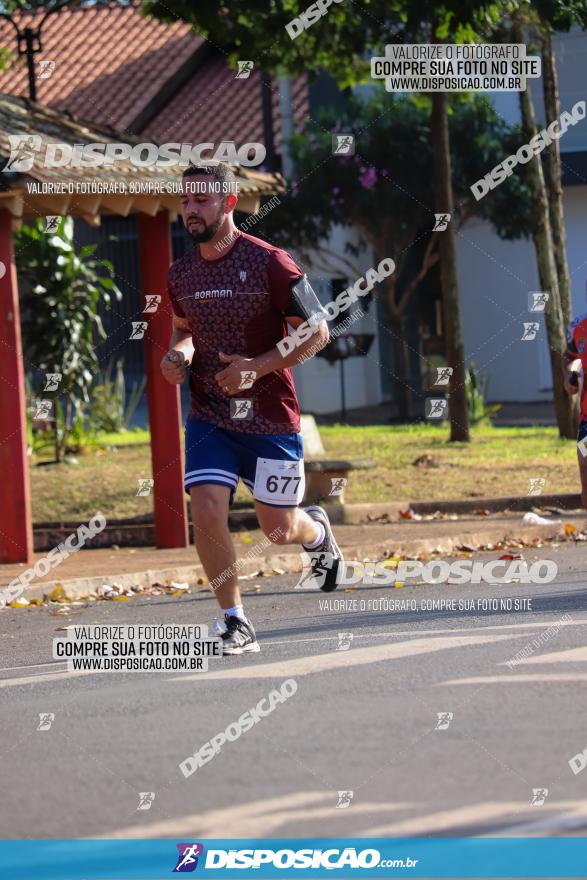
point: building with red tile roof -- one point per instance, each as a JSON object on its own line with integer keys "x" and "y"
{"x": 115, "y": 66}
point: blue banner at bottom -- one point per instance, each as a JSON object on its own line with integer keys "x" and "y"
{"x": 453, "y": 858}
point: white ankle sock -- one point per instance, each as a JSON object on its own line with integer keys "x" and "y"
{"x": 318, "y": 540}
{"x": 237, "y": 611}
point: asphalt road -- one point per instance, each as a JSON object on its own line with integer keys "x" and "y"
{"x": 363, "y": 720}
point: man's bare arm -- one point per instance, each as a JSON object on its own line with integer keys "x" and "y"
{"x": 273, "y": 359}
{"x": 181, "y": 351}
{"x": 230, "y": 377}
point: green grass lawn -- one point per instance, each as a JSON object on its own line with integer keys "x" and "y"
{"x": 498, "y": 461}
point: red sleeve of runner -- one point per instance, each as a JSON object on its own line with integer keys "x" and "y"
{"x": 282, "y": 272}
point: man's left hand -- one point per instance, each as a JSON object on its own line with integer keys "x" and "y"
{"x": 238, "y": 376}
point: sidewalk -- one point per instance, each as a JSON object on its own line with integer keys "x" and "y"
{"x": 82, "y": 573}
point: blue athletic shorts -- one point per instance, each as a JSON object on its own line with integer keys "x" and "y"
{"x": 582, "y": 431}
{"x": 270, "y": 465}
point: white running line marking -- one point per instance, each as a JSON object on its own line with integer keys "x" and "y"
{"x": 345, "y": 659}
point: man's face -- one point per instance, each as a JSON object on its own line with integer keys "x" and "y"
{"x": 202, "y": 209}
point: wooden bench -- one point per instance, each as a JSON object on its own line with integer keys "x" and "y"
{"x": 322, "y": 473}
{"x": 323, "y": 476}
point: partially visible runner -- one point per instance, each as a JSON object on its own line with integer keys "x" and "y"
{"x": 575, "y": 362}
{"x": 233, "y": 297}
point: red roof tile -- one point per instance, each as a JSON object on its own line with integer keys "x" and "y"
{"x": 214, "y": 106}
{"x": 110, "y": 60}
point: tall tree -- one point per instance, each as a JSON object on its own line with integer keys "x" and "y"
{"x": 542, "y": 237}
{"x": 548, "y": 17}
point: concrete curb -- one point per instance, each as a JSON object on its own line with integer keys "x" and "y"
{"x": 140, "y": 531}
{"x": 76, "y": 588}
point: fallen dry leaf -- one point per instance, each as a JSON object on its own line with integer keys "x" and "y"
{"x": 56, "y": 594}
{"x": 21, "y": 602}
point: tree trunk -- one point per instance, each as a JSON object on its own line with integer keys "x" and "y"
{"x": 553, "y": 174}
{"x": 542, "y": 237}
{"x": 455, "y": 350}
{"x": 401, "y": 357}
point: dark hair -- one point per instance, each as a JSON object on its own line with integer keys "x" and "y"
{"x": 218, "y": 171}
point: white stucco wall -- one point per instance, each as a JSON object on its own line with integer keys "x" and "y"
{"x": 495, "y": 278}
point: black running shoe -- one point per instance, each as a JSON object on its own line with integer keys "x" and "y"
{"x": 239, "y": 637}
{"x": 326, "y": 560}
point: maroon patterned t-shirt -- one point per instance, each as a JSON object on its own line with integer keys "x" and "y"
{"x": 237, "y": 304}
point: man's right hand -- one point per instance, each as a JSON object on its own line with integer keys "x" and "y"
{"x": 173, "y": 366}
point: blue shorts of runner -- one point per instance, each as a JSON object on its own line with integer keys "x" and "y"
{"x": 582, "y": 431}
{"x": 270, "y": 465}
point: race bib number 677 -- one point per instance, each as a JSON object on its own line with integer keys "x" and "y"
{"x": 279, "y": 482}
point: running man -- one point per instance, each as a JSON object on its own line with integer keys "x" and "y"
{"x": 233, "y": 297}
{"x": 575, "y": 362}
